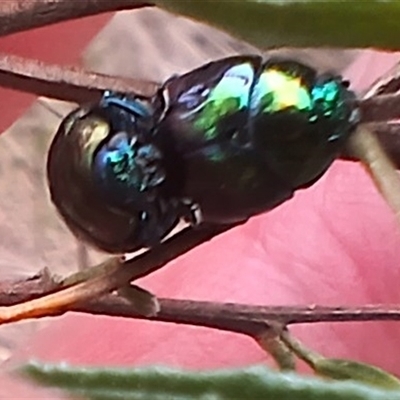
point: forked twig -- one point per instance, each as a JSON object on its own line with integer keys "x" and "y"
{"x": 88, "y": 284}
{"x": 240, "y": 318}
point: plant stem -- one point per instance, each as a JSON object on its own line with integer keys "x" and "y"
{"x": 367, "y": 148}
{"x": 22, "y": 15}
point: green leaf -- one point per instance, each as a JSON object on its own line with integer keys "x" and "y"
{"x": 347, "y": 369}
{"x": 169, "y": 384}
{"x": 301, "y": 23}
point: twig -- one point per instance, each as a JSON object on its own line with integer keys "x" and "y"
{"x": 367, "y": 149}
{"x": 388, "y": 83}
{"x": 21, "y": 15}
{"x": 388, "y": 134}
{"x": 248, "y": 319}
{"x": 240, "y": 318}
{"x": 114, "y": 274}
{"x": 62, "y": 299}
{"x": 309, "y": 356}
{"x": 80, "y": 86}
{"x": 228, "y": 316}
{"x": 272, "y": 343}
{"x": 380, "y": 108}
{"x": 64, "y": 83}
{"x": 16, "y": 291}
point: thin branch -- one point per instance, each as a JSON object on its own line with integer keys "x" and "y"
{"x": 388, "y": 83}
{"x": 245, "y": 319}
{"x": 21, "y": 15}
{"x": 62, "y": 299}
{"x": 310, "y": 357}
{"x": 80, "y": 86}
{"x": 203, "y": 313}
{"x": 388, "y": 134}
{"x": 73, "y": 84}
{"x": 368, "y": 150}
{"x": 380, "y": 108}
{"x": 271, "y": 342}
{"x": 64, "y": 83}
{"x": 240, "y": 318}
{"x": 24, "y": 289}
{"x": 113, "y": 274}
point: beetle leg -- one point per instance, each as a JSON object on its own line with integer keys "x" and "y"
{"x": 191, "y": 212}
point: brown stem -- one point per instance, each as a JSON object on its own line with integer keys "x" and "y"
{"x": 240, "y": 318}
{"x": 64, "y": 83}
{"x": 388, "y": 135}
{"x": 380, "y": 108}
{"x": 388, "y": 83}
{"x": 55, "y": 302}
{"x": 80, "y": 86}
{"x": 117, "y": 274}
{"x": 73, "y": 84}
{"x": 368, "y": 150}
{"x": 17, "y": 291}
{"x": 225, "y": 316}
{"x": 21, "y": 15}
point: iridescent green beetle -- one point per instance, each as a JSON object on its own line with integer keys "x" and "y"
{"x": 232, "y": 139}
{"x": 249, "y": 133}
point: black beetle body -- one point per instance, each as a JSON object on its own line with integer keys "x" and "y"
{"x": 234, "y": 138}
{"x": 106, "y": 178}
{"x": 250, "y": 133}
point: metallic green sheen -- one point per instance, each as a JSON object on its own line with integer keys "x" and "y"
{"x": 277, "y": 90}
{"x": 229, "y": 96}
{"x": 122, "y": 164}
{"x": 300, "y": 119}
{"x": 252, "y": 131}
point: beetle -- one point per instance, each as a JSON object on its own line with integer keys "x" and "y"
{"x": 229, "y": 140}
